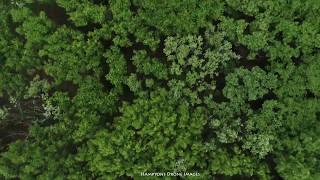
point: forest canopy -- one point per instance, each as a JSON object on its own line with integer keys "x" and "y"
{"x": 111, "y": 89}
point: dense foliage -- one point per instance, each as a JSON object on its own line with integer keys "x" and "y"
{"x": 97, "y": 89}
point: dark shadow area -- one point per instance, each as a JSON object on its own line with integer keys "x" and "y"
{"x": 133, "y": 7}
{"x": 124, "y": 177}
{"x": 67, "y": 86}
{"x": 257, "y": 104}
{"x": 88, "y": 28}
{"x": 107, "y": 85}
{"x": 101, "y": 2}
{"x": 272, "y": 26}
{"x": 272, "y": 167}
{"x": 220, "y": 84}
{"x": 127, "y": 95}
{"x": 318, "y": 115}
{"x": 10, "y": 133}
{"x": 42, "y": 75}
{"x": 279, "y": 36}
{"x": 240, "y": 50}
{"x": 54, "y": 12}
{"x": 4, "y": 99}
{"x": 71, "y": 148}
{"x": 128, "y": 53}
{"x": 207, "y": 132}
{"x": 236, "y": 14}
{"x": 159, "y": 54}
{"x": 247, "y": 30}
{"x": 20, "y": 116}
{"x": 297, "y": 60}
{"x": 202, "y": 31}
{"x": 138, "y": 45}
{"x": 292, "y": 44}
{"x": 310, "y": 94}
{"x": 12, "y": 27}
{"x": 60, "y": 17}
{"x": 299, "y": 17}
{"x": 103, "y": 65}
{"x": 261, "y": 59}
